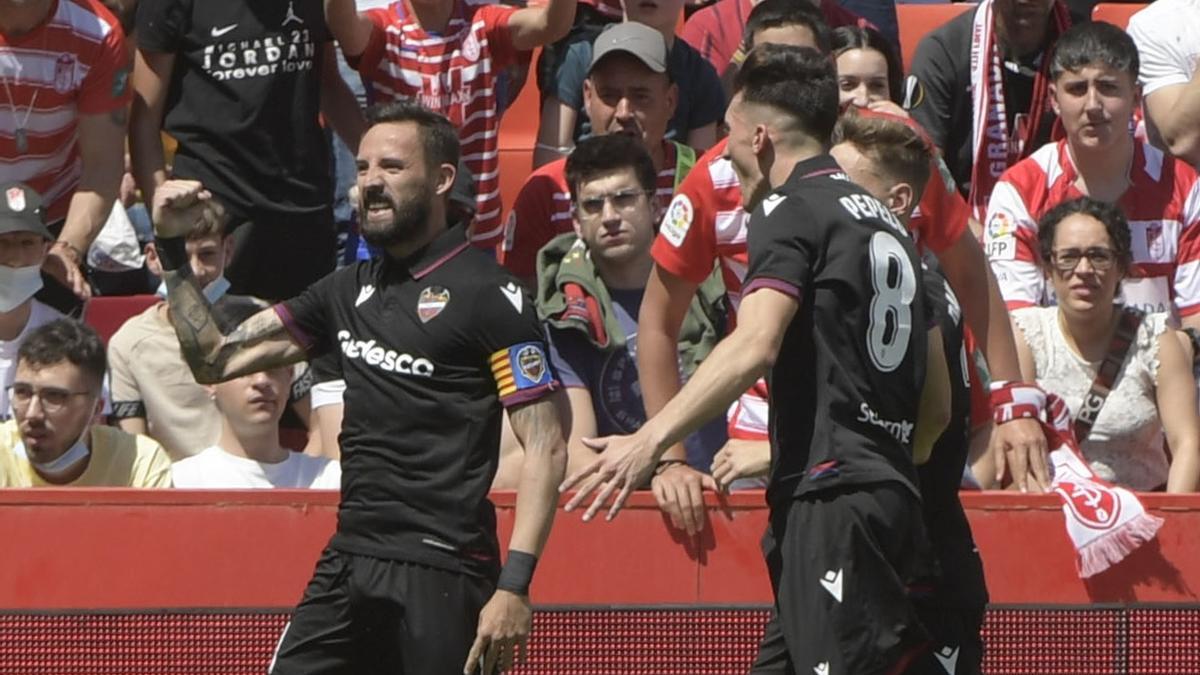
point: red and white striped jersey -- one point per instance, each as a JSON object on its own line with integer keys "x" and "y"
{"x": 74, "y": 64}
{"x": 1162, "y": 205}
{"x": 705, "y": 223}
{"x": 454, "y": 73}
{"x": 542, "y": 211}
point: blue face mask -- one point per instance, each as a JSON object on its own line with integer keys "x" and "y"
{"x": 213, "y": 292}
{"x": 18, "y": 284}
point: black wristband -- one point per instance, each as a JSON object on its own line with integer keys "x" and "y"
{"x": 517, "y": 573}
{"x": 665, "y": 464}
{"x": 172, "y": 252}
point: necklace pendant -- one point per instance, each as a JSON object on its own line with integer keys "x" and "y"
{"x": 22, "y": 140}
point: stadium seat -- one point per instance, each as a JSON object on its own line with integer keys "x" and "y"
{"x": 107, "y": 313}
{"x": 1116, "y": 13}
{"x": 518, "y": 128}
{"x": 917, "y": 21}
{"x": 517, "y": 136}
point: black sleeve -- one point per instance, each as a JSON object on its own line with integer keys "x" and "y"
{"x": 930, "y": 91}
{"x": 302, "y": 382}
{"x": 936, "y": 305}
{"x": 326, "y": 368}
{"x": 308, "y": 317}
{"x": 161, "y": 24}
{"x": 781, "y": 255}
{"x": 942, "y": 309}
{"x": 510, "y": 336}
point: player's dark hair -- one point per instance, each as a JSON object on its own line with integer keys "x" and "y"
{"x": 797, "y": 81}
{"x": 893, "y": 146}
{"x": 846, "y": 38}
{"x": 438, "y": 135}
{"x": 780, "y": 13}
{"x": 1109, "y": 215}
{"x": 65, "y": 340}
{"x": 1094, "y": 43}
{"x": 597, "y": 156}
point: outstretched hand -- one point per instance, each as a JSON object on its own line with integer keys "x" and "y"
{"x": 625, "y": 463}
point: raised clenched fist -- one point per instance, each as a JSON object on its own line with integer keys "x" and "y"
{"x": 180, "y": 205}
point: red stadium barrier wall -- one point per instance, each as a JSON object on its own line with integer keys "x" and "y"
{"x": 125, "y": 549}
{"x": 158, "y": 582}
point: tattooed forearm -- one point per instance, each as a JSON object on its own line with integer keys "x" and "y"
{"x": 541, "y": 427}
{"x": 215, "y": 354}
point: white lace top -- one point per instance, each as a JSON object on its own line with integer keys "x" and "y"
{"x": 1126, "y": 443}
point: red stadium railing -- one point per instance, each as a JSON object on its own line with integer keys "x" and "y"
{"x": 118, "y": 581}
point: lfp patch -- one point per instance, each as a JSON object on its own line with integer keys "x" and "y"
{"x": 521, "y": 367}
{"x": 677, "y": 221}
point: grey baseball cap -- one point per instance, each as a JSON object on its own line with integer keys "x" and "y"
{"x": 21, "y": 210}
{"x": 631, "y": 37}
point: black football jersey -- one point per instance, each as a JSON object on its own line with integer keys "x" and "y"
{"x": 846, "y": 385}
{"x": 962, "y": 583}
{"x": 431, "y": 348}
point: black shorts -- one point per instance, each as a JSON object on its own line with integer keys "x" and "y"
{"x": 364, "y": 615}
{"x": 954, "y": 614}
{"x": 846, "y": 565}
{"x": 276, "y": 259}
{"x": 957, "y": 645}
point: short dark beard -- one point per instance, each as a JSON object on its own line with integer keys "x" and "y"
{"x": 409, "y": 216}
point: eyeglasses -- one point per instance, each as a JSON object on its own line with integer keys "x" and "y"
{"x": 1099, "y": 257}
{"x": 622, "y": 200}
{"x": 53, "y": 398}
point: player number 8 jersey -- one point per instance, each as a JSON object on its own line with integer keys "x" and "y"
{"x": 846, "y": 384}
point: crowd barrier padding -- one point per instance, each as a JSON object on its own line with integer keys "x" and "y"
{"x": 122, "y": 581}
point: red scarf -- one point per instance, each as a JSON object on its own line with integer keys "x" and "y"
{"x": 1105, "y": 522}
{"x": 994, "y": 146}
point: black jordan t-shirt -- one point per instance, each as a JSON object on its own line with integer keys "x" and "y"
{"x": 939, "y": 94}
{"x": 244, "y": 98}
{"x": 431, "y": 347}
{"x": 847, "y": 381}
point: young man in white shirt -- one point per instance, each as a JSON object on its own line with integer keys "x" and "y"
{"x": 248, "y": 453}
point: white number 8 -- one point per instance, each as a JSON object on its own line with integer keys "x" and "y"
{"x": 891, "y": 312}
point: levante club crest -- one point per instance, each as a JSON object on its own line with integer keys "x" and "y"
{"x": 431, "y": 302}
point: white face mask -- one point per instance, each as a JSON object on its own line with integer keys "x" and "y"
{"x": 214, "y": 291}
{"x": 18, "y": 284}
{"x": 66, "y": 462}
{"x": 69, "y": 460}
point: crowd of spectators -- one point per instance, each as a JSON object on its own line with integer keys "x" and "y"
{"x": 1063, "y": 209}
